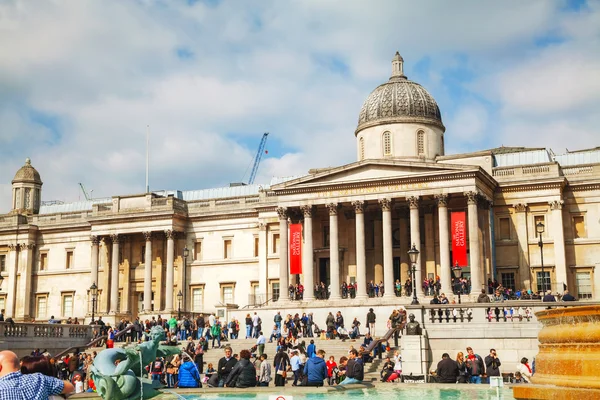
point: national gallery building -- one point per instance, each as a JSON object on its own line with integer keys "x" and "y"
{"x": 202, "y": 250}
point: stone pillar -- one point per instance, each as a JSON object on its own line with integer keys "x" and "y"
{"x": 334, "y": 251}
{"x": 11, "y": 290}
{"x": 388, "y": 248}
{"x": 523, "y": 247}
{"x": 148, "y": 272}
{"x": 114, "y": 275}
{"x": 558, "y": 233}
{"x": 444, "y": 232}
{"x": 169, "y": 284}
{"x": 474, "y": 245}
{"x": 94, "y": 261}
{"x": 361, "y": 259}
{"x": 283, "y": 254}
{"x": 263, "y": 266}
{"x": 415, "y": 238}
{"x": 307, "y": 255}
{"x": 428, "y": 259}
{"x": 23, "y": 311}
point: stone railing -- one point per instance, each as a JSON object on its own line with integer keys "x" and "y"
{"x": 35, "y": 330}
{"x": 524, "y": 172}
{"x": 581, "y": 170}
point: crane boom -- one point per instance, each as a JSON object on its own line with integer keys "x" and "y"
{"x": 87, "y": 197}
{"x": 261, "y": 148}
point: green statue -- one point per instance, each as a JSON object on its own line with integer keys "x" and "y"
{"x": 118, "y": 373}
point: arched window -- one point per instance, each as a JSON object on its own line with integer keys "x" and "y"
{"x": 362, "y": 148}
{"x": 421, "y": 143}
{"x": 387, "y": 144}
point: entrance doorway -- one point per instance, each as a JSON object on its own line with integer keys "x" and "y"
{"x": 397, "y": 271}
{"x": 324, "y": 271}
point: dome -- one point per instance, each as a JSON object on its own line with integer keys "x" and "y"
{"x": 399, "y": 100}
{"x": 27, "y": 174}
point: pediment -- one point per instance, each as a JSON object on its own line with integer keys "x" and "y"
{"x": 370, "y": 170}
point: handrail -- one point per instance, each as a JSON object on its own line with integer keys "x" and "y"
{"x": 388, "y": 335}
{"x": 95, "y": 341}
{"x": 247, "y": 306}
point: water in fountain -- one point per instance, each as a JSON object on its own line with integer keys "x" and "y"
{"x": 141, "y": 376}
{"x": 174, "y": 393}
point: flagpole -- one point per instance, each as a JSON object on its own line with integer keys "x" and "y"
{"x": 147, "y": 156}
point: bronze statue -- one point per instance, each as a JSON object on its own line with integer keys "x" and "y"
{"x": 413, "y": 328}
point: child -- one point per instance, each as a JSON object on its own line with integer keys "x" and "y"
{"x": 331, "y": 365}
{"x": 209, "y": 370}
{"x": 78, "y": 384}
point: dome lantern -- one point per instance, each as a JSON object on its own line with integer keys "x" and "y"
{"x": 398, "y": 67}
{"x": 27, "y": 189}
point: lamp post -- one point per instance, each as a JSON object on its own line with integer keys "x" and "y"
{"x": 179, "y": 297}
{"x": 413, "y": 254}
{"x": 457, "y": 271}
{"x": 94, "y": 294}
{"x": 539, "y": 228}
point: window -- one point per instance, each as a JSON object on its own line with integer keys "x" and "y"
{"x": 2, "y": 262}
{"x": 536, "y": 220}
{"x": 41, "y": 306}
{"x": 227, "y": 294}
{"x": 197, "y": 299}
{"x": 255, "y": 297}
{"x": 362, "y": 148}
{"x": 198, "y": 251}
{"x": 227, "y": 249}
{"x": 69, "y": 264}
{"x": 583, "y": 282}
{"x": 120, "y": 300}
{"x": 326, "y": 236}
{"x": 543, "y": 279}
{"x": 504, "y": 228}
{"x": 256, "y": 246}
{"x": 387, "y": 144}
{"x": 43, "y": 261}
{"x": 275, "y": 290}
{"x": 578, "y": 227}
{"x": 420, "y": 143}
{"x": 508, "y": 280}
{"x": 275, "y": 243}
{"x": 67, "y": 304}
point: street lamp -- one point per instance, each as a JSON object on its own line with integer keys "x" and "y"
{"x": 539, "y": 228}
{"x": 179, "y": 297}
{"x": 457, "y": 271}
{"x": 94, "y": 294}
{"x": 413, "y": 254}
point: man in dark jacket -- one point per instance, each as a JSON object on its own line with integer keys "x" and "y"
{"x": 492, "y": 364}
{"x": 225, "y": 366}
{"x": 549, "y": 297}
{"x": 371, "y": 321}
{"x": 243, "y": 375}
{"x": 475, "y": 366}
{"x": 568, "y": 296}
{"x": 355, "y": 372}
{"x": 315, "y": 369}
{"x": 281, "y": 364}
{"x": 483, "y": 297}
{"x": 200, "y": 324}
{"x": 447, "y": 370}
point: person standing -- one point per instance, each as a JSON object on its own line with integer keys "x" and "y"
{"x": 315, "y": 369}
{"x": 309, "y": 325}
{"x": 492, "y": 363}
{"x": 311, "y": 349}
{"x": 260, "y": 343}
{"x": 447, "y": 370}
{"x": 567, "y": 297}
{"x": 264, "y": 374}
{"x": 371, "y": 321}
{"x": 463, "y": 372}
{"x": 199, "y": 356}
{"x": 277, "y": 319}
{"x": 295, "y": 365}
{"x": 255, "y": 325}
{"x": 331, "y": 366}
{"x": 200, "y": 323}
{"x": 281, "y": 363}
{"x": 475, "y": 366}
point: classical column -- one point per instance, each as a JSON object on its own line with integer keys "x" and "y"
{"x": 307, "y": 255}
{"x": 334, "y": 251}
{"x": 11, "y": 290}
{"x": 114, "y": 276}
{"x": 25, "y": 266}
{"x": 558, "y": 233}
{"x": 444, "y": 230}
{"x": 474, "y": 252}
{"x": 283, "y": 253}
{"x": 170, "y": 272}
{"x": 361, "y": 259}
{"x": 94, "y": 266}
{"x": 523, "y": 246}
{"x": 415, "y": 238}
{"x": 148, "y": 272}
{"x": 388, "y": 248}
{"x": 263, "y": 285}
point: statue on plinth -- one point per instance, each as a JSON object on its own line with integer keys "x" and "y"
{"x": 413, "y": 327}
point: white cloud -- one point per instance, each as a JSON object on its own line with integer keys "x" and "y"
{"x": 469, "y": 123}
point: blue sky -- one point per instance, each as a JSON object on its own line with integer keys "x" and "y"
{"x": 80, "y": 81}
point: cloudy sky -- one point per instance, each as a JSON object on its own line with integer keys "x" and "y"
{"x": 81, "y": 80}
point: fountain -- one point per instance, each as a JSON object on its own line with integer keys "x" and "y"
{"x": 568, "y": 362}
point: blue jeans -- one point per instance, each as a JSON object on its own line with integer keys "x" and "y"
{"x": 349, "y": 381}
{"x": 156, "y": 377}
{"x": 218, "y": 338}
{"x": 200, "y": 332}
{"x": 278, "y": 325}
{"x": 475, "y": 379}
{"x": 248, "y": 331}
{"x": 170, "y": 380}
{"x": 296, "y": 376}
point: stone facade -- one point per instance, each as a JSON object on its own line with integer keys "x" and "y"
{"x": 359, "y": 221}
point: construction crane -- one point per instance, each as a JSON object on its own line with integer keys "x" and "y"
{"x": 87, "y": 197}
{"x": 261, "y": 149}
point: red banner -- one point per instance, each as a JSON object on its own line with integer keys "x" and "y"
{"x": 295, "y": 249}
{"x": 459, "y": 238}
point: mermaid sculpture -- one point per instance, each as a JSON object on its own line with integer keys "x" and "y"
{"x": 118, "y": 373}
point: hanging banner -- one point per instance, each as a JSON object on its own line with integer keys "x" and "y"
{"x": 459, "y": 238}
{"x": 295, "y": 249}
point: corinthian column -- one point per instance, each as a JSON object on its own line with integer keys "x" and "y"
{"x": 283, "y": 253}
{"x": 474, "y": 252}
{"x": 444, "y": 228}
{"x": 170, "y": 271}
{"x": 415, "y": 238}
{"x": 559, "y": 245}
{"x": 94, "y": 261}
{"x": 148, "y": 272}
{"x": 334, "y": 251}
{"x": 114, "y": 276}
{"x": 361, "y": 260}
{"x": 307, "y": 255}
{"x": 388, "y": 255}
